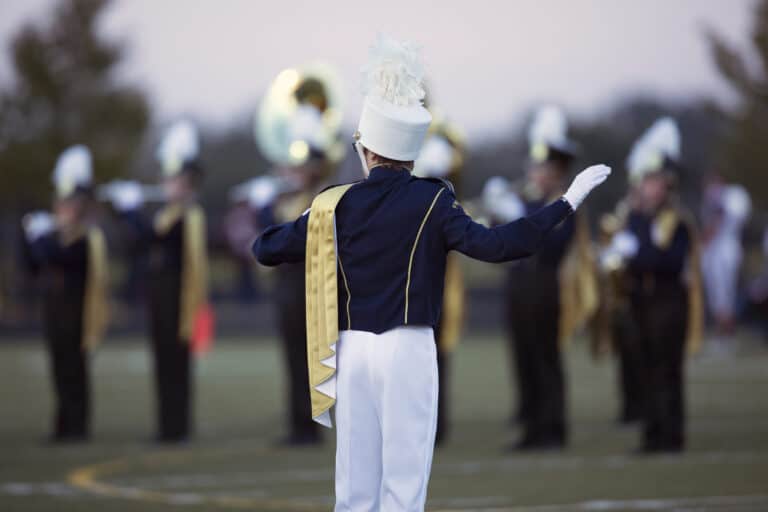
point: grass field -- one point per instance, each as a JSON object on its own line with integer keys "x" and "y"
{"x": 232, "y": 464}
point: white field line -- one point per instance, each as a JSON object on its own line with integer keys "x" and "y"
{"x": 198, "y": 488}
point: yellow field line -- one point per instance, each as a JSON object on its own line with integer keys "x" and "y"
{"x": 90, "y": 479}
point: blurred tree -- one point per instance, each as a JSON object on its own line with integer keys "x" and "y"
{"x": 64, "y": 92}
{"x": 745, "y": 155}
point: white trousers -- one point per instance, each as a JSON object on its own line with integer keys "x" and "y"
{"x": 720, "y": 264}
{"x": 386, "y": 414}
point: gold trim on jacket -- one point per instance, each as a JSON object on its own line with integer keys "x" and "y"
{"x": 413, "y": 251}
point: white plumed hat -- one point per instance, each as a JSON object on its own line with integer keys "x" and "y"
{"x": 73, "y": 171}
{"x": 180, "y": 145}
{"x": 393, "y": 122}
{"x": 548, "y": 135}
{"x": 658, "y": 146}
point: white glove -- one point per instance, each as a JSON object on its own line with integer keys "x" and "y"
{"x": 500, "y": 200}
{"x": 584, "y": 182}
{"x": 125, "y": 195}
{"x": 263, "y": 191}
{"x": 37, "y": 224}
{"x": 625, "y": 244}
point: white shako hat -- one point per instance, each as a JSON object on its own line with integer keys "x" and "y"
{"x": 393, "y": 122}
{"x": 179, "y": 148}
{"x": 548, "y": 136}
{"x": 73, "y": 172}
{"x": 658, "y": 148}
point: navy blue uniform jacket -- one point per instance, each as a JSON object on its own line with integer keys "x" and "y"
{"x": 393, "y": 233}
{"x": 664, "y": 265}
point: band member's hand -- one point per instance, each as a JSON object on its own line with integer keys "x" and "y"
{"x": 584, "y": 182}
{"x": 263, "y": 191}
{"x": 501, "y": 201}
{"x": 37, "y": 224}
{"x": 125, "y": 195}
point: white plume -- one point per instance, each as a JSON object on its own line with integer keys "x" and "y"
{"x": 736, "y": 203}
{"x": 435, "y": 159}
{"x": 73, "y": 168}
{"x": 394, "y": 72}
{"x": 179, "y": 144}
{"x": 501, "y": 201}
{"x": 549, "y": 126}
{"x": 660, "y": 141}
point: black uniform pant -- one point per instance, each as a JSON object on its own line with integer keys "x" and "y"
{"x": 172, "y": 364}
{"x": 661, "y": 318}
{"x": 69, "y": 365}
{"x": 630, "y": 358}
{"x": 535, "y": 353}
{"x": 293, "y": 331}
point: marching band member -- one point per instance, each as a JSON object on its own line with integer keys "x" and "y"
{"x": 659, "y": 249}
{"x": 178, "y": 272}
{"x": 375, "y": 258}
{"x": 69, "y": 252}
{"x": 725, "y": 210}
{"x": 443, "y": 157}
{"x": 558, "y": 283}
{"x": 302, "y": 142}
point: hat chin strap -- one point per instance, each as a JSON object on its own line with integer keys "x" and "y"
{"x": 361, "y": 153}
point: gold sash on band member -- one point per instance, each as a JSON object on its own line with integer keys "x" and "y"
{"x": 322, "y": 302}
{"x": 96, "y": 300}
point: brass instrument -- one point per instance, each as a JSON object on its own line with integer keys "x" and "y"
{"x": 612, "y": 280}
{"x": 315, "y": 86}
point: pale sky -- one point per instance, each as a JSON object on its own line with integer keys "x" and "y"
{"x": 487, "y": 61}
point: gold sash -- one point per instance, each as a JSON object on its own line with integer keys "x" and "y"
{"x": 322, "y": 306}
{"x": 579, "y": 297}
{"x": 96, "y": 300}
{"x": 452, "y": 317}
{"x": 194, "y": 272}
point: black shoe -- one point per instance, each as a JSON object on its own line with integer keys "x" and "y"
{"x": 517, "y": 418}
{"x": 629, "y": 418}
{"x": 659, "y": 449}
{"x": 299, "y": 440}
{"x": 167, "y": 439}
{"x": 67, "y": 438}
{"x": 530, "y": 444}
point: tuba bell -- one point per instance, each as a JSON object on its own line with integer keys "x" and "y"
{"x": 298, "y": 93}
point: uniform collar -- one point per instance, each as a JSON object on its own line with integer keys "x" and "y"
{"x": 385, "y": 172}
